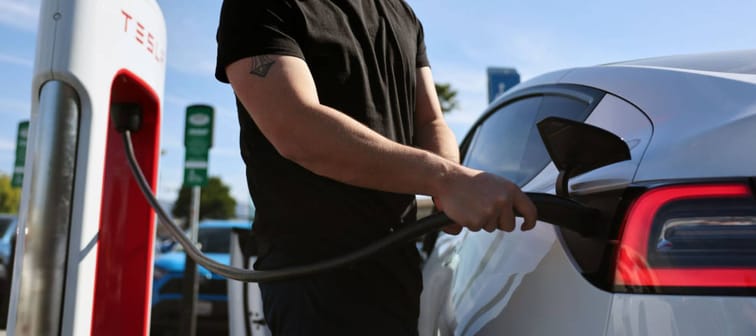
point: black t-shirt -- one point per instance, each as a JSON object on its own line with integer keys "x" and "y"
{"x": 363, "y": 56}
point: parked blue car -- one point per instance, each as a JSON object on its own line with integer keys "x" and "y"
{"x": 7, "y": 230}
{"x": 8, "y": 225}
{"x": 212, "y": 298}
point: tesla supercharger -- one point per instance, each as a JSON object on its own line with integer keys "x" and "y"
{"x": 85, "y": 245}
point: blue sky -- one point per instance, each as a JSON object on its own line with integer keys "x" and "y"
{"x": 463, "y": 38}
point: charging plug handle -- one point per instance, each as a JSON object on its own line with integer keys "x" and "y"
{"x": 126, "y": 116}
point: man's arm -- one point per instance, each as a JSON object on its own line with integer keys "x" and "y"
{"x": 431, "y": 131}
{"x": 280, "y": 95}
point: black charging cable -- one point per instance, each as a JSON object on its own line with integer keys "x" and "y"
{"x": 408, "y": 233}
{"x": 126, "y": 118}
{"x": 554, "y": 209}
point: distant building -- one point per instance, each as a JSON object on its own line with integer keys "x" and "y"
{"x": 500, "y": 80}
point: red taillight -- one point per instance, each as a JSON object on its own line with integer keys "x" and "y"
{"x": 689, "y": 236}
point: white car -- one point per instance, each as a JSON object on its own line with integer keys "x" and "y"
{"x": 660, "y": 240}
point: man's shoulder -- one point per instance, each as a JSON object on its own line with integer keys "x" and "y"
{"x": 403, "y": 7}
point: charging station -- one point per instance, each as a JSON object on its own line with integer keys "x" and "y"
{"x": 85, "y": 246}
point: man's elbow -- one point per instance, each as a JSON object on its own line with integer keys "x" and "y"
{"x": 288, "y": 147}
{"x": 301, "y": 153}
{"x": 318, "y": 159}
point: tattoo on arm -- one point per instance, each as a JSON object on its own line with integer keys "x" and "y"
{"x": 261, "y": 65}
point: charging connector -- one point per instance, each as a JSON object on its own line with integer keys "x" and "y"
{"x": 126, "y": 116}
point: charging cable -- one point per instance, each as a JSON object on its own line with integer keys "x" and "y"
{"x": 407, "y": 233}
{"x": 554, "y": 209}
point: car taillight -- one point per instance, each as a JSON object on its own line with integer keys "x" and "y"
{"x": 689, "y": 239}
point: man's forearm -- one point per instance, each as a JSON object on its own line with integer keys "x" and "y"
{"x": 431, "y": 132}
{"x": 329, "y": 143}
{"x": 437, "y": 138}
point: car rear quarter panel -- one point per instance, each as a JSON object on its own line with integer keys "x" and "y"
{"x": 525, "y": 283}
{"x": 518, "y": 283}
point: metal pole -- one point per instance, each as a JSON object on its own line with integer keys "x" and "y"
{"x": 195, "y": 213}
{"x": 45, "y": 221}
{"x": 190, "y": 286}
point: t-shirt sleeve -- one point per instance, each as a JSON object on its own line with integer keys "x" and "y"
{"x": 422, "y": 56}
{"x": 249, "y": 28}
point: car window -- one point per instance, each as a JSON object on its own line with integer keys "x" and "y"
{"x": 215, "y": 240}
{"x": 507, "y": 143}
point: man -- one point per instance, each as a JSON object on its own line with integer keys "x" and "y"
{"x": 340, "y": 128}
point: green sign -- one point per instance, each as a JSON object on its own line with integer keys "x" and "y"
{"x": 198, "y": 138}
{"x": 198, "y": 130}
{"x": 18, "y": 167}
{"x": 195, "y": 168}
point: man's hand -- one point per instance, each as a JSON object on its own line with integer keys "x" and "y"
{"x": 479, "y": 200}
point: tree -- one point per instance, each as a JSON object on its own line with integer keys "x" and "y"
{"x": 10, "y": 197}
{"x": 447, "y": 97}
{"x": 215, "y": 201}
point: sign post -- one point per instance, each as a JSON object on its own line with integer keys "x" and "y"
{"x": 18, "y": 169}
{"x": 198, "y": 139}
